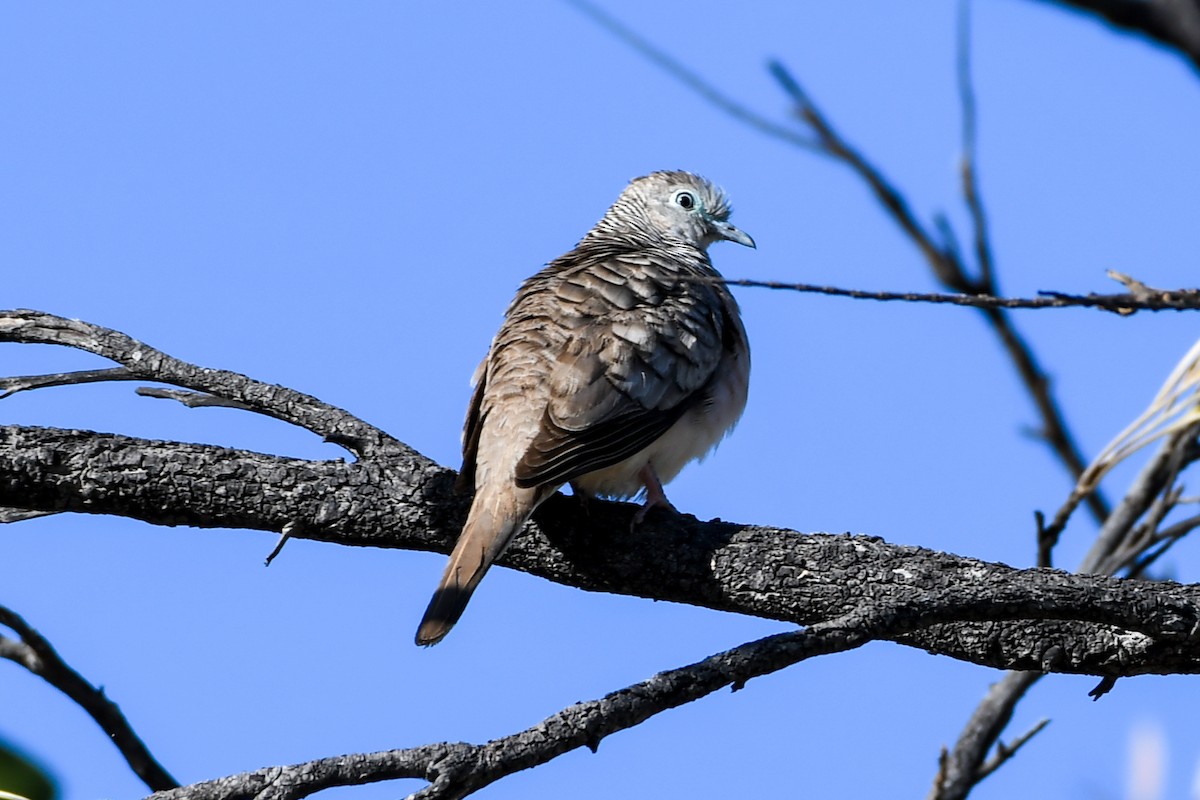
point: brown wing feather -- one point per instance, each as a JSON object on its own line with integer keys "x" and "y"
{"x": 558, "y": 456}
{"x": 625, "y": 376}
{"x": 465, "y": 484}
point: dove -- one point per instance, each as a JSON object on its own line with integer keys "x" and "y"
{"x": 615, "y": 366}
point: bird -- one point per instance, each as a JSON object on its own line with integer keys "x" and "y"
{"x": 615, "y": 366}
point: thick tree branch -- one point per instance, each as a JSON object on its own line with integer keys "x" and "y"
{"x": 409, "y": 502}
{"x": 1173, "y": 23}
{"x": 38, "y": 656}
{"x": 393, "y": 497}
{"x": 1116, "y": 547}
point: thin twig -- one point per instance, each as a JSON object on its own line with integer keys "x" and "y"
{"x": 23, "y": 383}
{"x": 1139, "y": 568}
{"x": 968, "y": 163}
{"x": 942, "y": 259}
{"x": 960, "y": 767}
{"x": 37, "y": 655}
{"x": 690, "y": 79}
{"x": 1006, "y": 751}
{"x": 1155, "y": 477}
{"x": 191, "y": 399}
{"x": 139, "y": 359}
{"x": 836, "y": 146}
{"x": 1123, "y": 304}
{"x": 289, "y": 530}
{"x": 456, "y": 770}
{"x": 952, "y": 274}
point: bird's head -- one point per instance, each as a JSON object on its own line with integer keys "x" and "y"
{"x": 679, "y": 205}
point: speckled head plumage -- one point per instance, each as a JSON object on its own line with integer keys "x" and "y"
{"x": 673, "y": 206}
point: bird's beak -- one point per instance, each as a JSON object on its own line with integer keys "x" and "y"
{"x": 728, "y": 232}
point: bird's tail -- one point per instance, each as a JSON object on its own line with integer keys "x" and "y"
{"x": 490, "y": 526}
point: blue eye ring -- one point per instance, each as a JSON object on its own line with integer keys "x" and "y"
{"x": 686, "y": 200}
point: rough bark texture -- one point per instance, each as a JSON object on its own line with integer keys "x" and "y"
{"x": 404, "y": 500}
{"x": 846, "y": 590}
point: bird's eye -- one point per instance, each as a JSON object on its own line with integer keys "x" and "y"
{"x": 686, "y": 200}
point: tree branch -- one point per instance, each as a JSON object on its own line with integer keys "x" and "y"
{"x": 409, "y": 503}
{"x": 1124, "y": 303}
{"x": 144, "y": 362}
{"x": 456, "y": 770}
{"x": 691, "y": 79}
{"x": 24, "y": 383}
{"x": 1038, "y": 619}
{"x": 1115, "y": 547}
{"x": 944, "y": 260}
{"x": 1173, "y": 23}
{"x": 950, "y": 270}
{"x": 38, "y": 656}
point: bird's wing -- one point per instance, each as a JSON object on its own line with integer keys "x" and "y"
{"x": 465, "y": 483}
{"x": 639, "y": 350}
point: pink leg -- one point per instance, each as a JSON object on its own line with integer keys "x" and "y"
{"x": 655, "y": 496}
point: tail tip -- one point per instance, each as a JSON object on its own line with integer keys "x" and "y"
{"x": 443, "y": 612}
{"x": 431, "y": 632}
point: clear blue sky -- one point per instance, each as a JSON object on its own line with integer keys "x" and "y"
{"x": 342, "y": 198}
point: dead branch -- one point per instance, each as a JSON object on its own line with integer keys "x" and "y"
{"x": 36, "y": 654}
{"x": 1124, "y": 303}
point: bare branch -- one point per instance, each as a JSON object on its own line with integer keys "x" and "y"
{"x": 23, "y": 383}
{"x": 457, "y": 770}
{"x": 690, "y": 79}
{"x": 1019, "y": 619}
{"x": 191, "y": 399}
{"x": 833, "y": 144}
{"x": 37, "y": 655}
{"x": 1165, "y": 539}
{"x": 409, "y": 502}
{"x": 961, "y": 768}
{"x": 952, "y": 273}
{"x": 1155, "y": 478}
{"x": 967, "y": 162}
{"x": 144, "y": 362}
{"x": 943, "y": 259}
{"x": 1006, "y": 751}
{"x": 1173, "y": 23}
{"x": 1123, "y": 304}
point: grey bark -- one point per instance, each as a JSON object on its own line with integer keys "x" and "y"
{"x": 405, "y": 500}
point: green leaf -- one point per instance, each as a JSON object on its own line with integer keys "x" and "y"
{"x": 21, "y": 779}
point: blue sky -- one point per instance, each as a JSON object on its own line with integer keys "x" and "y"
{"x": 343, "y": 198}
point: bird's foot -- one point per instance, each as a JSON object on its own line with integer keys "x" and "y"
{"x": 655, "y": 496}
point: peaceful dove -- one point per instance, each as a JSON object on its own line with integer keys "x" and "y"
{"x": 614, "y": 368}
